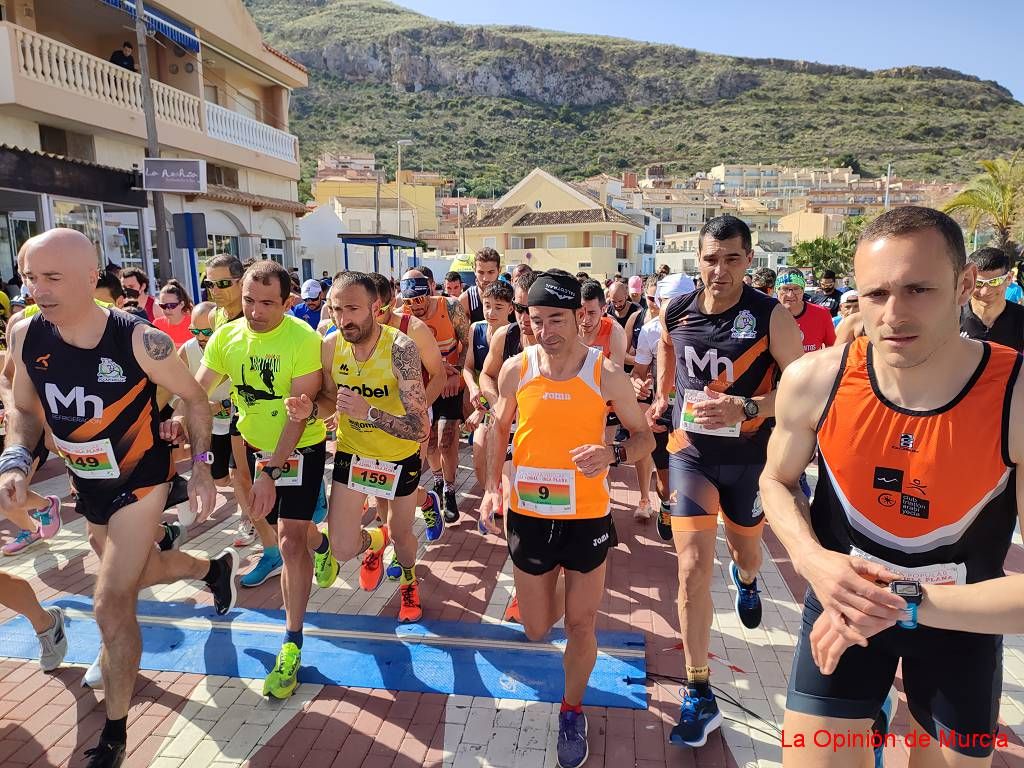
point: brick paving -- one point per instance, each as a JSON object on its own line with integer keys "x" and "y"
{"x": 186, "y": 720}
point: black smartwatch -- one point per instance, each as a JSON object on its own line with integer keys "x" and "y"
{"x": 619, "y": 451}
{"x": 750, "y": 409}
{"x": 274, "y": 472}
{"x": 911, "y": 592}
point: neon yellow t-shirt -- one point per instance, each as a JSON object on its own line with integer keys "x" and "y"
{"x": 219, "y": 317}
{"x": 33, "y": 309}
{"x": 261, "y": 367}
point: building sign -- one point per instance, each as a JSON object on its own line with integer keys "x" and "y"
{"x": 173, "y": 175}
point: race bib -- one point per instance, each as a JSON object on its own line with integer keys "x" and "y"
{"x": 374, "y": 477}
{"x": 688, "y": 422}
{"x": 94, "y": 460}
{"x": 291, "y": 470}
{"x": 548, "y": 492}
{"x": 940, "y": 573}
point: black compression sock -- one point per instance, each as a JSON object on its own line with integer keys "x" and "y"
{"x": 115, "y": 731}
{"x": 167, "y": 542}
{"x": 324, "y": 546}
{"x": 214, "y": 572}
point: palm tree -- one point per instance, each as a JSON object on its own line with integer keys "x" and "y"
{"x": 996, "y": 197}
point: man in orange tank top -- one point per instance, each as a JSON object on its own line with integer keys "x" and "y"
{"x": 559, "y": 518}
{"x": 919, "y": 433}
{"x": 597, "y": 329}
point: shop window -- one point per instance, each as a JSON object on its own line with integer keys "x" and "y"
{"x": 57, "y": 141}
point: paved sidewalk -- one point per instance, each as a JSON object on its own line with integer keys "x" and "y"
{"x": 185, "y": 720}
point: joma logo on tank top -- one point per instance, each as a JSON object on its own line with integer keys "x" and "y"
{"x": 76, "y": 398}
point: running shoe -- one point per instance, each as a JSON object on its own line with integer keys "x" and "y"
{"x": 432, "y": 516}
{"x": 49, "y": 518}
{"x": 394, "y": 569}
{"x": 438, "y": 487}
{"x": 698, "y": 717}
{"x": 882, "y": 724}
{"x": 223, "y": 589}
{"x": 409, "y": 611}
{"x": 665, "y": 523}
{"x": 93, "y": 677}
{"x": 21, "y": 542}
{"x": 53, "y": 643}
{"x": 748, "y": 602}
{"x": 573, "y": 749}
{"x": 320, "y": 513}
{"x": 643, "y": 512}
{"x": 371, "y": 572}
{"x": 451, "y": 508}
{"x": 269, "y": 566}
{"x": 177, "y": 533}
{"x": 325, "y": 567}
{"x": 283, "y": 678}
{"x": 246, "y": 533}
{"x": 512, "y": 611}
{"x": 106, "y": 754}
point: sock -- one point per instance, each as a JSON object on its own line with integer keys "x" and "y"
{"x": 293, "y": 637}
{"x": 567, "y": 707}
{"x": 214, "y": 572}
{"x": 699, "y": 678}
{"x": 428, "y": 503}
{"x": 376, "y": 537}
{"x": 449, "y": 487}
{"x": 167, "y": 541}
{"x": 324, "y": 546}
{"x": 438, "y": 476}
{"x": 408, "y": 575}
{"x": 274, "y": 552}
{"x": 115, "y": 731}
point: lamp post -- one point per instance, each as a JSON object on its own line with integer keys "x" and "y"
{"x": 458, "y": 206}
{"x": 401, "y": 143}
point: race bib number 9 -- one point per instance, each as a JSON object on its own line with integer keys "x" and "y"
{"x": 548, "y": 492}
{"x": 688, "y": 419}
{"x": 374, "y": 477}
{"x": 291, "y": 470}
{"x": 94, "y": 460}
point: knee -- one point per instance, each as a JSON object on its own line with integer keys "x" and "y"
{"x": 535, "y": 631}
{"x": 114, "y": 611}
{"x": 293, "y": 544}
{"x": 581, "y": 627}
{"x": 692, "y": 563}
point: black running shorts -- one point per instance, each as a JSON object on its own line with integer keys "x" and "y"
{"x": 447, "y": 408}
{"x": 952, "y": 680}
{"x": 701, "y": 489}
{"x": 297, "y": 502}
{"x": 220, "y": 445}
{"x": 408, "y": 481}
{"x": 539, "y": 545}
{"x": 98, "y": 505}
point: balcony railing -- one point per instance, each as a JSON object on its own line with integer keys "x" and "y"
{"x": 53, "y": 63}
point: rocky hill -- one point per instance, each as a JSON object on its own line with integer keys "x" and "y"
{"x": 486, "y": 104}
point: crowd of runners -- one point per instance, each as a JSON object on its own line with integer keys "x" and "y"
{"x": 724, "y": 388}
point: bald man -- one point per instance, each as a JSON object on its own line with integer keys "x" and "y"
{"x": 106, "y": 427}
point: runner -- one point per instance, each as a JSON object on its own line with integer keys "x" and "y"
{"x": 599, "y": 331}
{"x": 269, "y": 356}
{"x": 918, "y": 434}
{"x": 721, "y": 348}
{"x": 453, "y": 286}
{"x": 636, "y": 291}
{"x": 815, "y": 322}
{"x": 450, "y": 326}
{"x": 108, "y": 433}
{"x": 559, "y": 519}
{"x": 486, "y": 268}
{"x": 378, "y": 444}
{"x": 312, "y": 304}
{"x": 848, "y": 305}
{"x": 829, "y": 295}
{"x": 620, "y": 308}
{"x": 988, "y": 316}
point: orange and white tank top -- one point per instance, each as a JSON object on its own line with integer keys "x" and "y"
{"x": 556, "y": 417}
{"x": 440, "y": 324}
{"x": 603, "y": 340}
{"x": 930, "y": 493}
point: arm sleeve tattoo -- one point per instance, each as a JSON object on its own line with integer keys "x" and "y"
{"x": 460, "y": 321}
{"x": 405, "y": 360}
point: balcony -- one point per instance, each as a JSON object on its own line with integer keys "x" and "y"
{"x": 97, "y": 92}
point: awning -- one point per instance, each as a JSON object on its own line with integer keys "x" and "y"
{"x": 157, "y": 21}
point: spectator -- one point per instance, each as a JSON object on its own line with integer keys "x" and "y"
{"x": 136, "y": 287}
{"x": 636, "y": 291}
{"x": 582, "y": 277}
{"x": 829, "y": 295}
{"x": 124, "y": 57}
{"x": 748, "y": 279}
{"x": 1014, "y": 292}
{"x": 108, "y": 289}
{"x": 177, "y": 307}
{"x": 525, "y": 269}
{"x": 453, "y": 285}
{"x": 764, "y": 280}
{"x": 848, "y": 305}
{"x": 325, "y": 282}
{"x": 428, "y": 273}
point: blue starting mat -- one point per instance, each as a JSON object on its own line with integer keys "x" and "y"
{"x": 494, "y": 660}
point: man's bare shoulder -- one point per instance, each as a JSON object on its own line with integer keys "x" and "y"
{"x": 814, "y": 373}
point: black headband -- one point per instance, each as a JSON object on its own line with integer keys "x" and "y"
{"x": 557, "y": 291}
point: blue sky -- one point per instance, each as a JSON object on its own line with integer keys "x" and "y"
{"x": 981, "y": 37}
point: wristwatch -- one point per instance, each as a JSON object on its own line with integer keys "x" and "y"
{"x": 274, "y": 472}
{"x": 750, "y": 409}
{"x": 203, "y": 458}
{"x": 619, "y": 450}
{"x": 911, "y": 592}
{"x": 369, "y": 414}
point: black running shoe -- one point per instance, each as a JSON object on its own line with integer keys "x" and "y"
{"x": 748, "y": 601}
{"x": 451, "y": 508}
{"x": 664, "y": 523}
{"x": 106, "y": 754}
{"x": 224, "y": 592}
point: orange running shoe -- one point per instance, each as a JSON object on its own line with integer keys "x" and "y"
{"x": 372, "y": 570}
{"x": 512, "y": 612}
{"x": 410, "y": 609}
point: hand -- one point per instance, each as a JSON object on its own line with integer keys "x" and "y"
{"x": 331, "y": 422}
{"x": 13, "y": 490}
{"x": 592, "y": 460}
{"x": 451, "y": 385}
{"x": 845, "y": 586}
{"x": 262, "y": 497}
{"x": 658, "y": 407}
{"x": 643, "y": 388}
{"x": 719, "y": 410}
{"x": 828, "y": 645}
{"x": 352, "y": 404}
{"x": 474, "y": 420}
{"x": 202, "y": 493}
{"x": 299, "y": 408}
{"x": 474, "y": 400}
{"x": 173, "y": 431}
{"x": 489, "y": 506}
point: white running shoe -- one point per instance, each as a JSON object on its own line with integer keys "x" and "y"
{"x": 246, "y": 533}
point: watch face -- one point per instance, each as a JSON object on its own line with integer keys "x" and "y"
{"x": 906, "y": 588}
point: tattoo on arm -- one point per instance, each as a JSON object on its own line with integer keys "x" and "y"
{"x": 405, "y": 359}
{"x": 460, "y": 321}
{"x": 157, "y": 343}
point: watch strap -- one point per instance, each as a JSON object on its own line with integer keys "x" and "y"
{"x": 909, "y": 619}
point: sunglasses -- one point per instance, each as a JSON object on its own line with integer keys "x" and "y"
{"x": 992, "y": 282}
{"x": 219, "y": 283}
{"x": 520, "y": 308}
{"x": 201, "y": 331}
{"x": 131, "y": 293}
{"x": 415, "y": 301}
{"x": 312, "y": 301}
{"x": 383, "y": 311}
{"x": 170, "y": 305}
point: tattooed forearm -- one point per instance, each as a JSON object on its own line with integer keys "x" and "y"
{"x": 158, "y": 344}
{"x": 413, "y": 425}
{"x": 463, "y": 332}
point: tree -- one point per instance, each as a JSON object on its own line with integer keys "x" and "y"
{"x": 823, "y": 253}
{"x": 849, "y": 161}
{"x": 995, "y": 197}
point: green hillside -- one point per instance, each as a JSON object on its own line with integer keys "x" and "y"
{"x": 487, "y": 104}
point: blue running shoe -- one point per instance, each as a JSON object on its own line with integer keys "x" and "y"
{"x": 804, "y": 485}
{"x": 699, "y": 716}
{"x": 270, "y": 565}
{"x": 394, "y": 569}
{"x": 748, "y": 603}
{"x": 432, "y": 517}
{"x": 572, "y": 739}
{"x": 320, "y": 513}
{"x": 882, "y": 724}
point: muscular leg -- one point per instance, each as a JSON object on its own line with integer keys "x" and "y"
{"x": 661, "y": 484}
{"x": 17, "y": 594}
{"x": 936, "y": 756}
{"x": 746, "y": 551}
{"x": 799, "y": 749}
{"x": 345, "y": 514}
{"x": 695, "y": 551}
{"x": 297, "y": 577}
{"x": 241, "y": 482}
{"x": 644, "y": 467}
{"x": 448, "y": 447}
{"x": 480, "y": 437}
{"x": 541, "y": 601}
{"x": 400, "y": 518}
{"x": 583, "y": 594}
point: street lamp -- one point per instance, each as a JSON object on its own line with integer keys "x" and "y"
{"x": 458, "y": 206}
{"x": 401, "y": 143}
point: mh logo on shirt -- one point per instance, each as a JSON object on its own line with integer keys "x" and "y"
{"x": 710, "y": 365}
{"x": 76, "y": 397}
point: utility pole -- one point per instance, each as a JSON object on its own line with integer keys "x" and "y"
{"x": 163, "y": 250}
{"x": 377, "y": 174}
{"x": 888, "y": 181}
{"x": 398, "y": 180}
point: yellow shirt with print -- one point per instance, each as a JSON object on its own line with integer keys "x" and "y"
{"x": 261, "y": 367}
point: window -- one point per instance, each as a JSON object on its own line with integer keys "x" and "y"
{"x": 557, "y": 241}
{"x": 87, "y": 218}
{"x": 529, "y": 242}
{"x": 601, "y": 241}
{"x": 517, "y": 242}
{"x": 77, "y": 146}
{"x": 217, "y": 244}
{"x": 307, "y": 269}
{"x": 223, "y": 175}
{"x": 272, "y": 249}
{"x": 584, "y": 265}
{"x": 355, "y": 225}
{"x": 210, "y": 93}
{"x": 245, "y": 105}
{"x": 490, "y": 242}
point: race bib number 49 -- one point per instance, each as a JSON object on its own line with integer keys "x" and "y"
{"x": 374, "y": 477}
{"x": 94, "y": 460}
{"x": 548, "y": 492}
{"x": 291, "y": 470}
